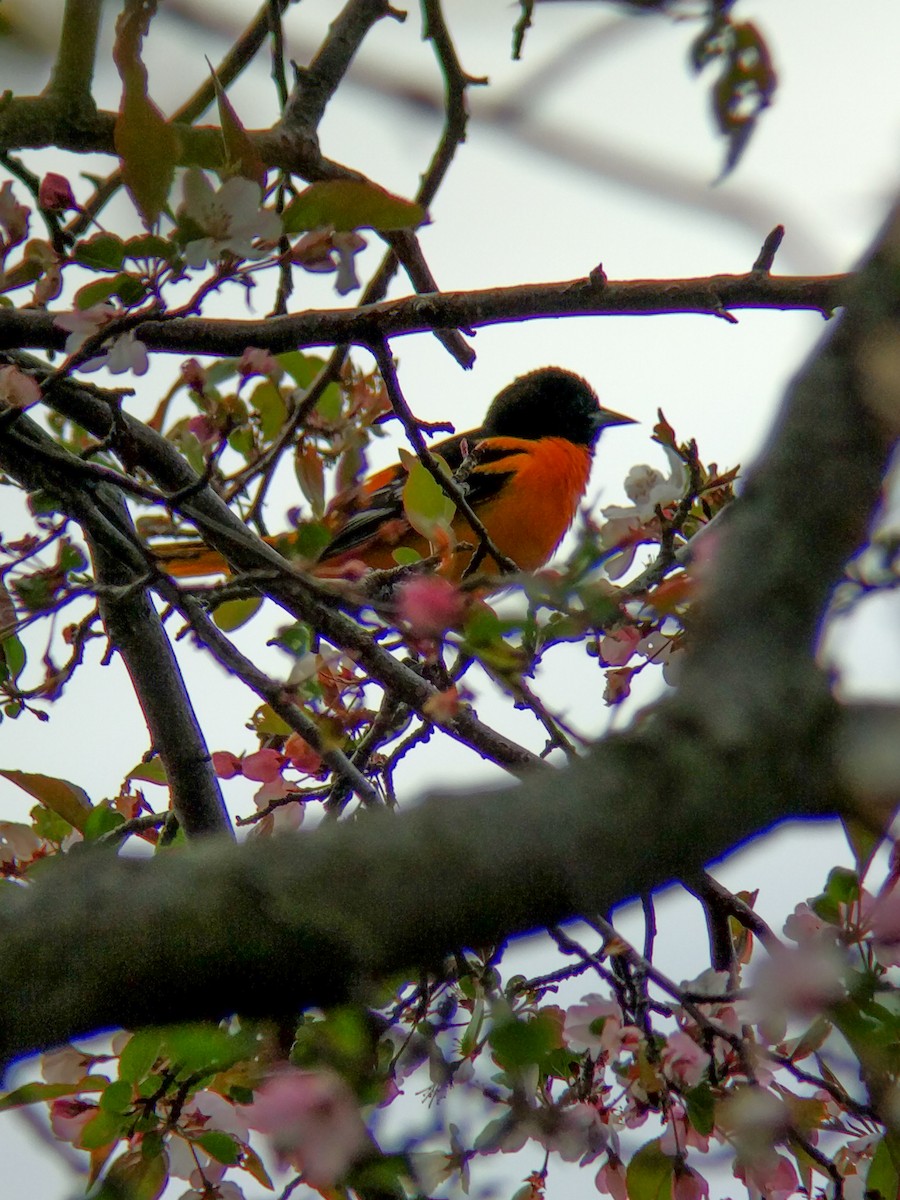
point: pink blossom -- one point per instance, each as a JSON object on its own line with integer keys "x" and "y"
{"x": 204, "y": 429}
{"x": 231, "y": 219}
{"x": 689, "y": 1185}
{"x": 610, "y": 1179}
{"x": 429, "y": 605}
{"x": 770, "y": 1176}
{"x": 18, "y": 842}
{"x": 803, "y": 924}
{"x": 312, "y": 1121}
{"x": 683, "y": 1060}
{"x": 83, "y": 323}
{"x": 616, "y": 648}
{"x": 125, "y": 354}
{"x": 55, "y": 193}
{"x": 618, "y": 685}
{"x": 18, "y": 389}
{"x": 14, "y": 217}
{"x": 64, "y": 1065}
{"x": 597, "y": 1025}
{"x": 884, "y": 924}
{"x": 803, "y": 981}
{"x": 301, "y": 755}
{"x": 258, "y": 362}
{"x": 264, "y": 766}
{"x": 679, "y": 1134}
{"x": 225, "y": 764}
{"x": 193, "y": 375}
{"x": 68, "y": 1118}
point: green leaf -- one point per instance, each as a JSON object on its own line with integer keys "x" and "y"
{"x": 269, "y": 404}
{"x": 94, "y": 292}
{"x": 220, "y": 1146}
{"x": 405, "y": 556}
{"x": 307, "y": 542}
{"x": 149, "y": 772}
{"x": 842, "y": 885}
{"x": 232, "y": 614}
{"x": 241, "y": 154}
{"x": 427, "y": 507}
{"x": 35, "y": 1093}
{"x": 136, "y": 1176}
{"x": 864, "y": 841}
{"x": 700, "y": 1104}
{"x": 117, "y": 1098}
{"x": 519, "y": 1043}
{"x": 302, "y": 368}
{"x": 102, "y": 818}
{"x": 205, "y": 1048}
{"x": 48, "y": 825}
{"x": 140, "y": 1053}
{"x": 150, "y": 245}
{"x": 146, "y": 143}
{"x": 296, "y": 639}
{"x": 12, "y": 657}
{"x": 101, "y": 252}
{"x": 67, "y": 800}
{"x": 649, "y": 1174}
{"x": 883, "y": 1178}
{"x": 102, "y": 1129}
{"x": 345, "y": 204}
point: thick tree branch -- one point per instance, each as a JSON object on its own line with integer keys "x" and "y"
{"x": 592, "y": 296}
{"x": 73, "y": 70}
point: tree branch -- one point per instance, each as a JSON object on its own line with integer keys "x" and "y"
{"x": 592, "y": 296}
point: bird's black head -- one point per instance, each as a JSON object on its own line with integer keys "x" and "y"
{"x": 550, "y": 402}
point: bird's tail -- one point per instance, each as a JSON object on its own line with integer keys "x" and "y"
{"x": 187, "y": 559}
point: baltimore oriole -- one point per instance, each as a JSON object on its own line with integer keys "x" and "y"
{"x": 526, "y": 471}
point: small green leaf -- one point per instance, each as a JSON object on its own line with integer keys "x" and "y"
{"x": 94, "y": 292}
{"x": 136, "y": 1176}
{"x": 220, "y": 1146}
{"x": 12, "y": 654}
{"x": 101, "y": 252}
{"x": 427, "y": 507}
{"x": 700, "y": 1105}
{"x": 205, "y": 1048}
{"x": 307, "y": 542}
{"x": 405, "y": 556}
{"x": 101, "y": 819}
{"x": 269, "y": 405}
{"x": 345, "y": 204}
{"x": 140, "y": 1053}
{"x": 296, "y": 639}
{"x": 35, "y": 1093}
{"x": 48, "y": 825}
{"x": 117, "y": 1098}
{"x": 149, "y": 772}
{"x": 102, "y": 1129}
{"x": 232, "y": 614}
{"x": 302, "y": 368}
{"x": 518, "y": 1043}
{"x": 649, "y": 1174}
{"x": 883, "y": 1178}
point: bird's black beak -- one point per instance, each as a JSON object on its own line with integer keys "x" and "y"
{"x": 606, "y": 417}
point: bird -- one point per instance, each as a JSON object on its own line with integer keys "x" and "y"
{"x": 523, "y": 471}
